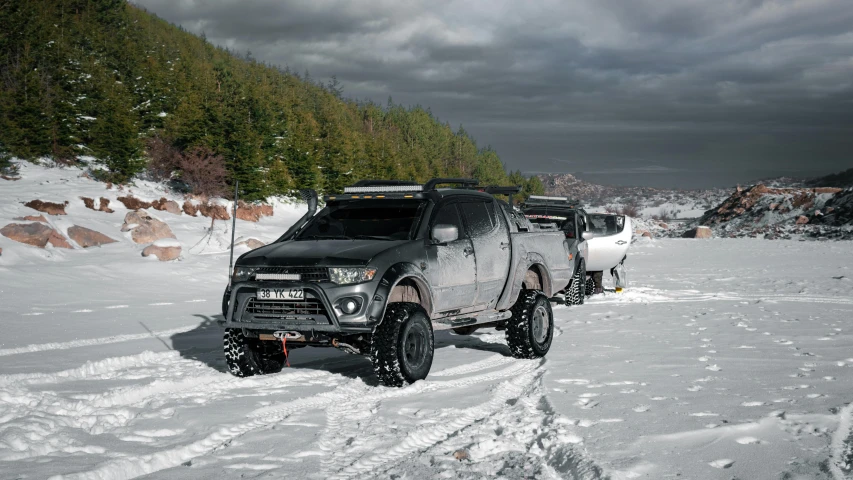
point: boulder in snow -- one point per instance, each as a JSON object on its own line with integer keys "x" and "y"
{"x": 133, "y": 203}
{"x": 252, "y": 243}
{"x": 164, "y": 205}
{"x": 88, "y": 238}
{"x": 144, "y": 228}
{"x": 33, "y": 218}
{"x": 802, "y": 220}
{"x": 643, "y": 233}
{"x": 35, "y": 234}
{"x": 49, "y": 208}
{"x": 165, "y": 250}
{"x": 698, "y": 232}
{"x": 251, "y": 212}
{"x": 190, "y": 209}
{"x": 103, "y": 204}
{"x": 214, "y": 211}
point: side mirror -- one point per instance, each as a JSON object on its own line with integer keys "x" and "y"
{"x": 443, "y": 233}
{"x": 589, "y": 235}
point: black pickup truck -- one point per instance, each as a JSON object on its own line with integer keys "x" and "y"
{"x": 374, "y": 270}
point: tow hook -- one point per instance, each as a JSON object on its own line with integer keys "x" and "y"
{"x": 345, "y": 347}
{"x": 287, "y": 335}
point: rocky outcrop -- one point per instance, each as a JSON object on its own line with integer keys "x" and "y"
{"x": 164, "y": 250}
{"x": 214, "y": 211}
{"x": 165, "y": 205}
{"x": 132, "y": 203}
{"x": 698, "y": 232}
{"x": 88, "y": 238}
{"x": 190, "y": 209}
{"x": 35, "y": 234}
{"x": 103, "y": 204}
{"x": 49, "y": 208}
{"x": 252, "y": 212}
{"x": 144, "y": 228}
{"x": 33, "y": 218}
{"x": 802, "y": 220}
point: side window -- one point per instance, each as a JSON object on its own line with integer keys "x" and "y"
{"x": 478, "y": 218}
{"x": 448, "y": 214}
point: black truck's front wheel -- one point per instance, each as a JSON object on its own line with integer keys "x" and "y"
{"x": 250, "y": 356}
{"x": 402, "y": 346}
{"x": 530, "y": 330}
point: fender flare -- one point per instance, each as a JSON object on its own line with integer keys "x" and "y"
{"x": 532, "y": 260}
{"x": 390, "y": 279}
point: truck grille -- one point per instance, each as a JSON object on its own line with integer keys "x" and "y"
{"x": 266, "y": 309}
{"x": 307, "y": 274}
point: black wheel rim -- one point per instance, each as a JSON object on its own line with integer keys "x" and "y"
{"x": 414, "y": 346}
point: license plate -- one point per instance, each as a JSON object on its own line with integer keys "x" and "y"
{"x": 280, "y": 294}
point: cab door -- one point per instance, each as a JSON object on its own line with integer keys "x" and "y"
{"x": 452, "y": 270}
{"x": 490, "y": 236}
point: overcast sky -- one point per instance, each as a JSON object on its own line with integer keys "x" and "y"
{"x": 686, "y": 93}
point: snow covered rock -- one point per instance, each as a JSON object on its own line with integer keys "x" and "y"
{"x": 133, "y": 203}
{"x": 165, "y": 205}
{"x": 88, "y": 238}
{"x": 698, "y": 232}
{"x": 165, "y": 250}
{"x": 103, "y": 204}
{"x": 190, "y": 208}
{"x": 49, "y": 208}
{"x": 35, "y": 234}
{"x": 215, "y": 211}
{"x": 252, "y": 212}
{"x": 802, "y": 220}
{"x": 252, "y": 243}
{"x": 33, "y": 218}
{"x": 144, "y": 228}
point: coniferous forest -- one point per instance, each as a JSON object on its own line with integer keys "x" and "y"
{"x": 106, "y": 80}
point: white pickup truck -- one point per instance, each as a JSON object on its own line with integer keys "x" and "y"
{"x": 607, "y": 236}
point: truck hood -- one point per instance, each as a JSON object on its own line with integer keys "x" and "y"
{"x": 323, "y": 253}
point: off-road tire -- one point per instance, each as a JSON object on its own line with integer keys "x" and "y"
{"x": 249, "y": 356}
{"x": 577, "y": 287}
{"x": 526, "y": 336}
{"x": 590, "y": 286}
{"x": 402, "y": 346}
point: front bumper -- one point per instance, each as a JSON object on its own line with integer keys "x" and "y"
{"x": 318, "y": 312}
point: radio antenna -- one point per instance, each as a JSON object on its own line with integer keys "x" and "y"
{"x": 233, "y": 227}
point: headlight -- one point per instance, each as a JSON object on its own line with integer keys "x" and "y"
{"x": 241, "y": 274}
{"x": 346, "y": 276}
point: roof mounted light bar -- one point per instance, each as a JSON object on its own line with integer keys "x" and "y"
{"x": 384, "y": 188}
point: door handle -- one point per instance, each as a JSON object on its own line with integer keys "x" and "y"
{"x": 504, "y": 245}
{"x": 621, "y": 242}
{"x": 467, "y": 251}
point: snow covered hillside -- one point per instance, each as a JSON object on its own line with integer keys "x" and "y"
{"x": 725, "y": 358}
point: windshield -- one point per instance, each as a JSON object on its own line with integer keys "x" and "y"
{"x": 365, "y": 219}
{"x": 606, "y": 224}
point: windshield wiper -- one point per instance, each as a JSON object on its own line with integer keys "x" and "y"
{"x": 372, "y": 237}
{"x": 325, "y": 237}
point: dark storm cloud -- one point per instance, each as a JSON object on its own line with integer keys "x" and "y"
{"x": 736, "y": 89}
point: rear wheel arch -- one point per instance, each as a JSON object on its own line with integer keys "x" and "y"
{"x": 537, "y": 278}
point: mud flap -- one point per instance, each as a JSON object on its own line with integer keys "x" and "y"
{"x": 620, "y": 278}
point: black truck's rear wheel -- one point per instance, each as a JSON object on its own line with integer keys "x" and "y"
{"x": 402, "y": 346}
{"x": 249, "y": 356}
{"x": 530, "y": 330}
{"x": 590, "y": 286}
{"x": 577, "y": 288}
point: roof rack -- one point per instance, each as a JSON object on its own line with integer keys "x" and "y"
{"x": 465, "y": 182}
{"x": 554, "y": 201}
{"x": 509, "y": 190}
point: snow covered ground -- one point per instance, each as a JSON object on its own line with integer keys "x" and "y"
{"x": 724, "y": 359}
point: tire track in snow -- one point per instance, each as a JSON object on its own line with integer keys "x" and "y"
{"x": 489, "y": 362}
{"x": 427, "y": 435}
{"x": 94, "y": 369}
{"x": 130, "y": 467}
{"x": 41, "y": 347}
